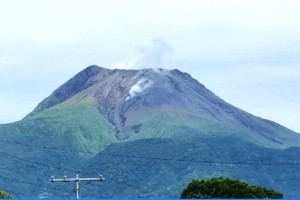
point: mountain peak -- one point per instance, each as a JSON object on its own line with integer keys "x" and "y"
{"x": 91, "y": 67}
{"x": 126, "y": 122}
{"x": 137, "y": 98}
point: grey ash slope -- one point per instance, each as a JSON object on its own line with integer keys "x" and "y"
{"x": 135, "y": 124}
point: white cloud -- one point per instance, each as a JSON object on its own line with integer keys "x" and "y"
{"x": 147, "y": 56}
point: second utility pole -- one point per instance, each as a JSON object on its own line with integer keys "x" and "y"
{"x": 77, "y": 180}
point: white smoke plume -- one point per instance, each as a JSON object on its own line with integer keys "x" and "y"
{"x": 139, "y": 87}
{"x": 147, "y": 56}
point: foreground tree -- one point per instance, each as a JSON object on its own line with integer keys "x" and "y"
{"x": 4, "y": 195}
{"x": 226, "y": 188}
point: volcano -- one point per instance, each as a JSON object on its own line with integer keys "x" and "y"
{"x": 149, "y": 131}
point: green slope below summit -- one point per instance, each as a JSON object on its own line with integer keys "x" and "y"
{"x": 123, "y": 122}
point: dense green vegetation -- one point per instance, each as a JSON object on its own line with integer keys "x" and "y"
{"x": 163, "y": 167}
{"x": 157, "y": 167}
{"x": 4, "y": 195}
{"x": 226, "y": 188}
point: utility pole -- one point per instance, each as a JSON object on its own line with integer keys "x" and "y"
{"x": 77, "y": 180}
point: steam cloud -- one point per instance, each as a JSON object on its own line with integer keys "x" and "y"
{"x": 139, "y": 87}
{"x": 147, "y": 56}
{"x": 152, "y": 56}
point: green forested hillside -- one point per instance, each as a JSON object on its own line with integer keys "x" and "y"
{"x": 149, "y": 167}
{"x": 150, "y": 145}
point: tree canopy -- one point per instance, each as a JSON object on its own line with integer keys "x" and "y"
{"x": 4, "y": 195}
{"x": 226, "y": 188}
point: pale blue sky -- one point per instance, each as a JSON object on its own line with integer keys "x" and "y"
{"x": 247, "y": 52}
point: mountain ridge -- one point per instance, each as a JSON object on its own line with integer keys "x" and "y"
{"x": 134, "y": 124}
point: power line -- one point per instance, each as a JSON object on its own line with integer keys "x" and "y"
{"x": 32, "y": 162}
{"x": 77, "y": 180}
{"x": 118, "y": 182}
{"x": 27, "y": 183}
{"x": 198, "y": 161}
{"x": 115, "y": 155}
{"x": 48, "y": 148}
{"x": 15, "y": 180}
{"x": 48, "y": 166}
{"x": 160, "y": 159}
{"x": 24, "y": 160}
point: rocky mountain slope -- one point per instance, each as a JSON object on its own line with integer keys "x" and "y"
{"x": 149, "y": 131}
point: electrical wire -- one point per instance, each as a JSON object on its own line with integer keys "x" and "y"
{"x": 157, "y": 158}
{"x": 28, "y": 183}
{"x": 160, "y": 159}
{"x": 33, "y": 162}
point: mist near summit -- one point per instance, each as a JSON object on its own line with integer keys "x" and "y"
{"x": 151, "y": 56}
